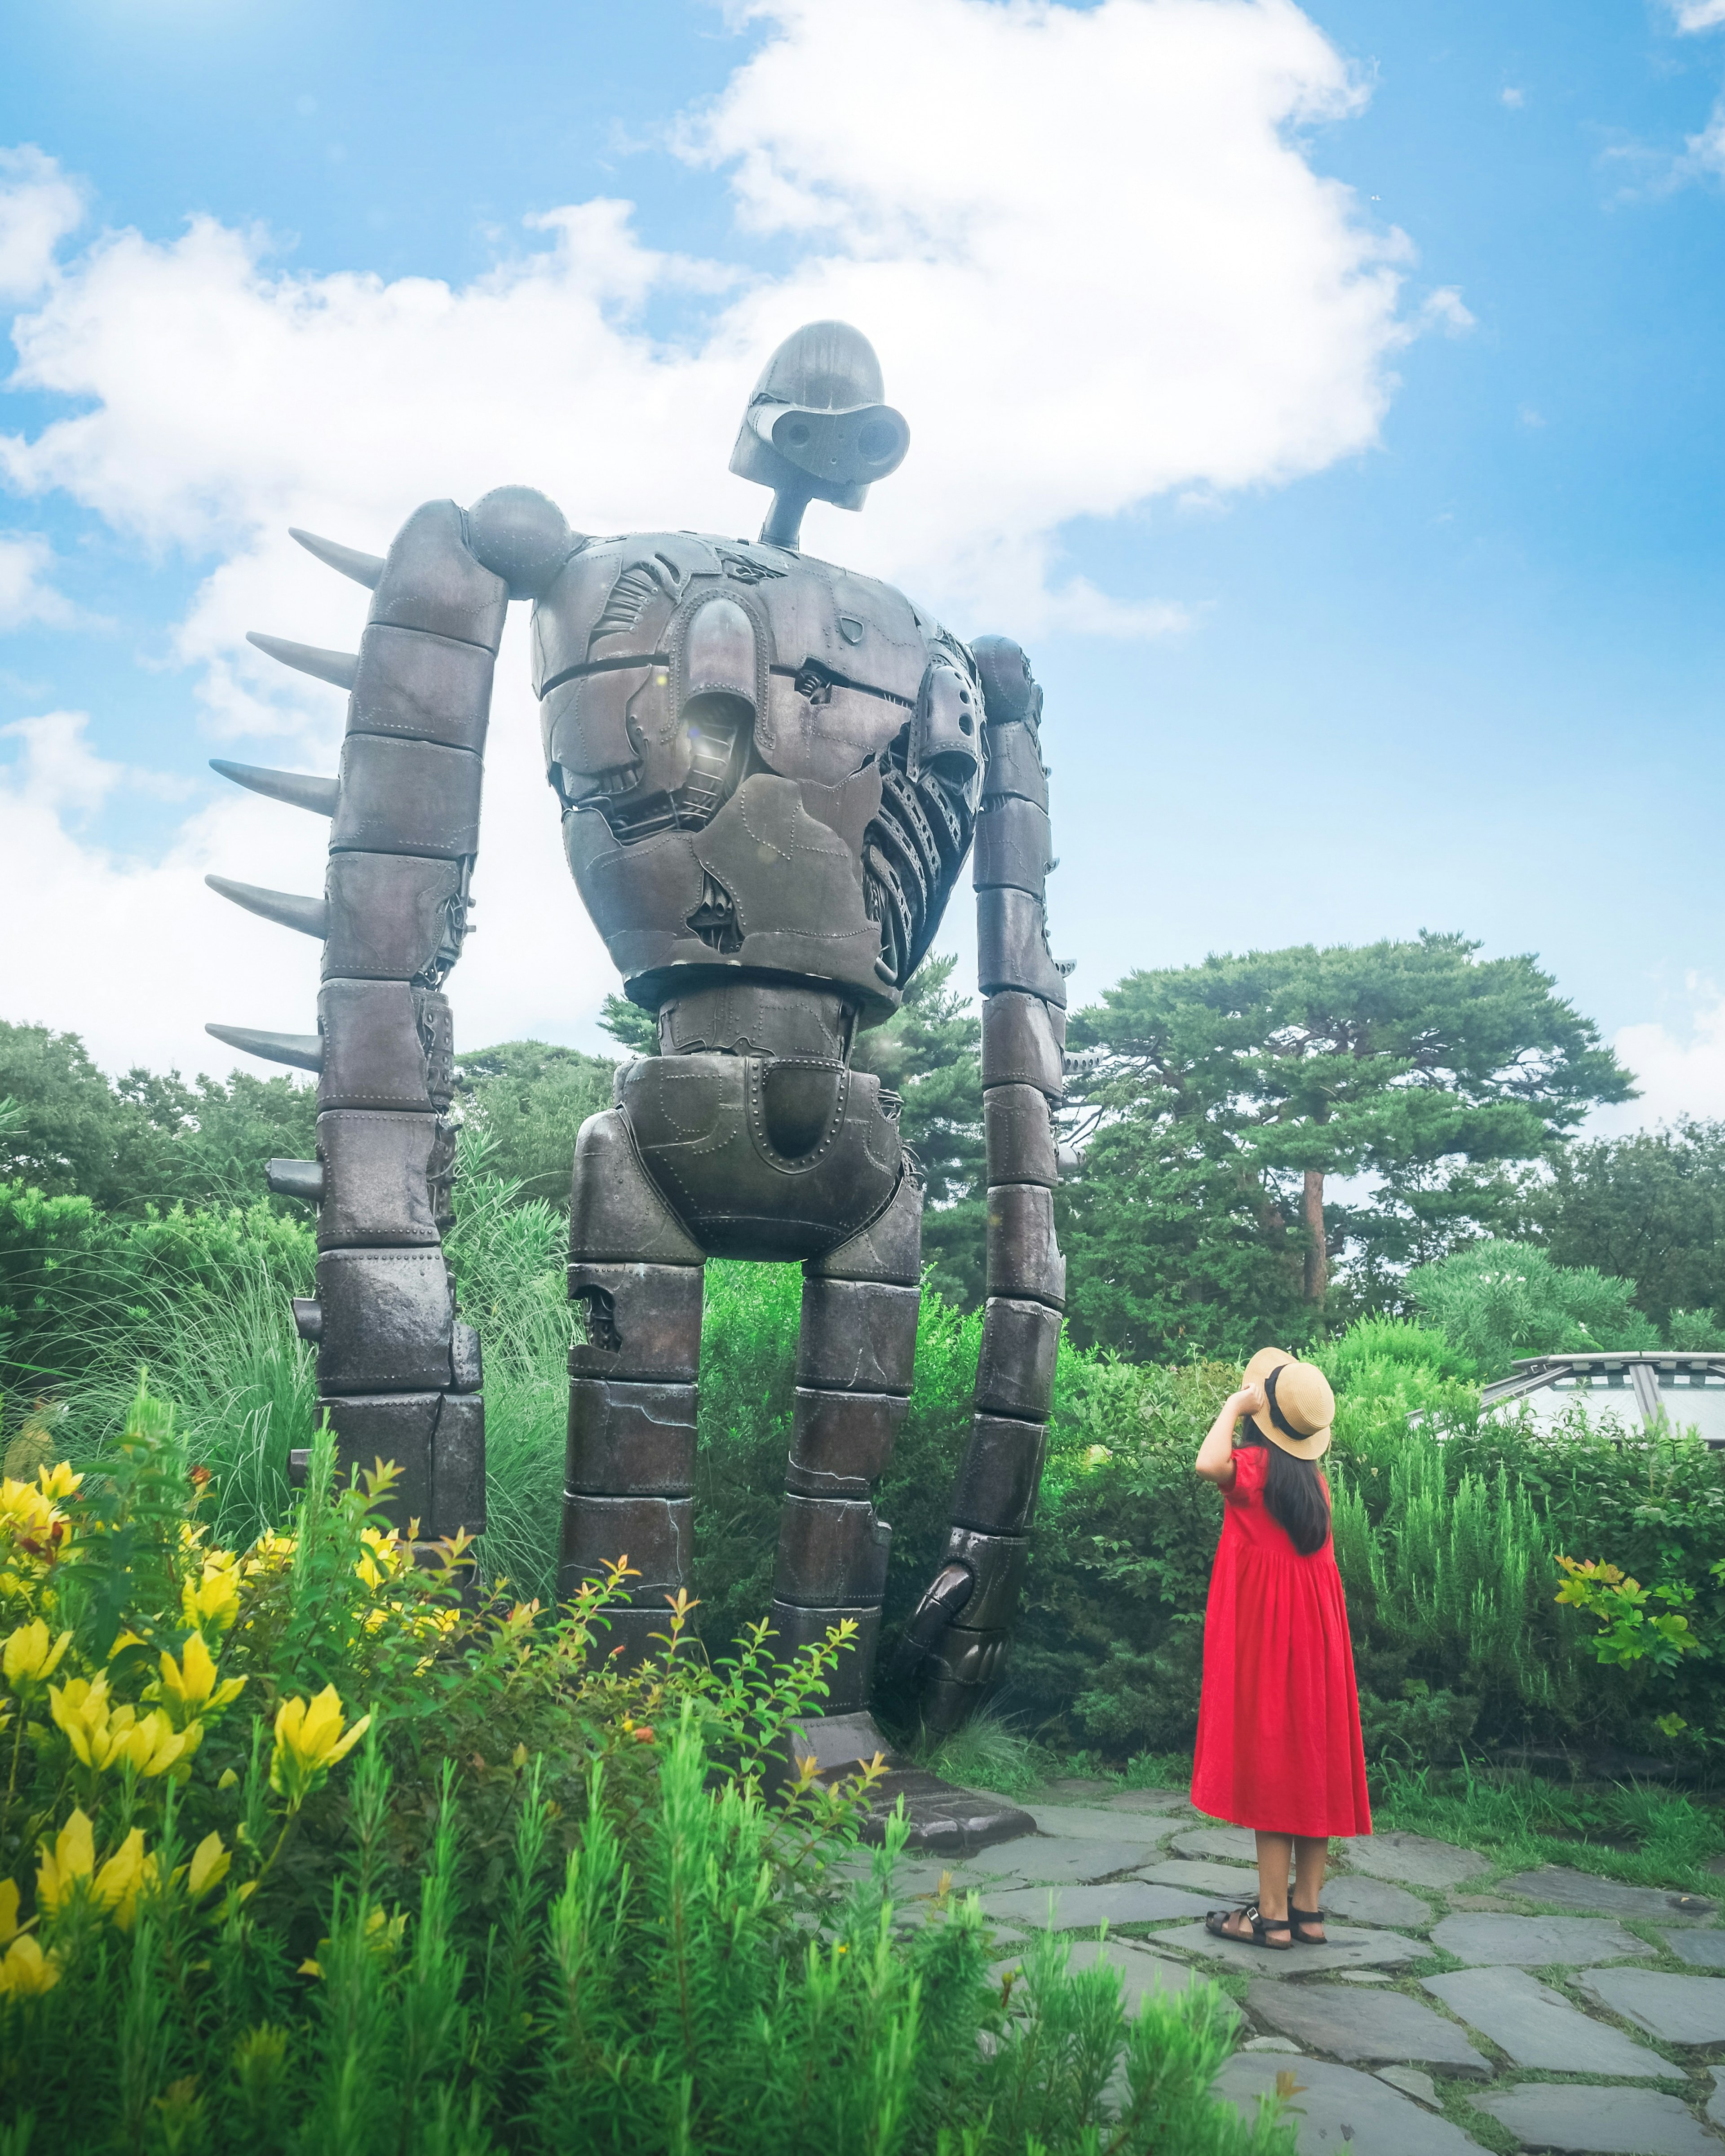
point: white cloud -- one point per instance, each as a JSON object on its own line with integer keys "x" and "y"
{"x": 39, "y": 207}
{"x": 1679, "y": 1069}
{"x": 1513, "y": 98}
{"x": 1086, "y": 242}
{"x": 1444, "y": 309}
{"x": 1698, "y": 14}
{"x": 26, "y": 595}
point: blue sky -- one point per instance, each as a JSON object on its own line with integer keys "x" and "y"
{"x": 1348, "y": 454}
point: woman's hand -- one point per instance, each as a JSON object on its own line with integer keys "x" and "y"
{"x": 1249, "y": 1400}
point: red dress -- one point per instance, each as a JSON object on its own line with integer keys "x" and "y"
{"x": 1278, "y": 1727}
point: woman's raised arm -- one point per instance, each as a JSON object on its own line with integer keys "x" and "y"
{"x": 1215, "y": 1455}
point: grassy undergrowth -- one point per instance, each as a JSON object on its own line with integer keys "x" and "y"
{"x": 1635, "y": 1831}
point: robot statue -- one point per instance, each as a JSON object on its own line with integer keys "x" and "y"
{"x": 770, "y": 772}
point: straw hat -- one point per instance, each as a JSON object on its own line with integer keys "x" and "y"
{"x": 1302, "y": 1406}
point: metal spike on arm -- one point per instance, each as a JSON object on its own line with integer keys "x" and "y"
{"x": 348, "y": 561}
{"x": 338, "y": 668}
{"x": 299, "y": 789}
{"x": 955, "y": 1644}
{"x": 399, "y": 1373}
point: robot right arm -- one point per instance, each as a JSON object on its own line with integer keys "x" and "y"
{"x": 398, "y": 1372}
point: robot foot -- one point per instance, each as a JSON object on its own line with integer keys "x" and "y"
{"x": 945, "y": 1821}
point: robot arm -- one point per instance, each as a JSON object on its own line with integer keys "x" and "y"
{"x": 397, "y": 1371}
{"x": 955, "y": 1644}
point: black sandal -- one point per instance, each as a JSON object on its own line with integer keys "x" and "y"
{"x": 1215, "y": 1923}
{"x": 1299, "y": 1919}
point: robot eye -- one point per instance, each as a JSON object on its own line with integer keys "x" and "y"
{"x": 796, "y": 435}
{"x": 877, "y": 441}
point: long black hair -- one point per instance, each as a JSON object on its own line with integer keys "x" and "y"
{"x": 1294, "y": 1494}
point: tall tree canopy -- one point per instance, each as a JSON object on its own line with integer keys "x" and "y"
{"x": 1218, "y": 1100}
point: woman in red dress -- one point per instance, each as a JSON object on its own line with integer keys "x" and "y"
{"x": 1278, "y": 1727}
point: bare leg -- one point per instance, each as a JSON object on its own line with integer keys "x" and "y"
{"x": 1311, "y": 1855}
{"x": 1275, "y": 1852}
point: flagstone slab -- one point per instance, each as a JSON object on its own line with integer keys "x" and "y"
{"x": 1141, "y": 1972}
{"x": 1337, "y": 2107}
{"x": 1715, "y": 2101}
{"x": 1414, "y": 1859}
{"x": 1369, "y": 1901}
{"x": 1539, "y": 2028}
{"x": 1534, "y": 1941}
{"x": 1149, "y": 1800}
{"x": 1699, "y": 1949}
{"x": 1365, "y": 2027}
{"x": 1234, "y": 1845}
{"x": 1412, "y": 2083}
{"x": 1566, "y": 1889}
{"x": 1599, "y": 2122}
{"x": 1349, "y": 1947}
{"x": 1088, "y": 1823}
{"x": 1083, "y": 1908}
{"x": 1040, "y": 1860}
{"x": 1222, "y": 1883}
{"x": 1673, "y": 2009}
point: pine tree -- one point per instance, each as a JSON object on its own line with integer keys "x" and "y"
{"x": 1223, "y": 1097}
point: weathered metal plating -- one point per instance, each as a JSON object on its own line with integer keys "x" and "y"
{"x": 771, "y": 771}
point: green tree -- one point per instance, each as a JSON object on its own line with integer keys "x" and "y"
{"x": 1219, "y": 1099}
{"x": 629, "y": 1025}
{"x": 930, "y": 1053}
{"x": 1649, "y": 1208}
{"x": 532, "y": 1099}
{"x": 1500, "y": 1300}
{"x": 150, "y": 1140}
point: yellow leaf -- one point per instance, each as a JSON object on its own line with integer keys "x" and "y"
{"x": 72, "y": 1858}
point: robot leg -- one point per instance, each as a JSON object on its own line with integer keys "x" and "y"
{"x": 854, "y": 1358}
{"x": 635, "y": 1278}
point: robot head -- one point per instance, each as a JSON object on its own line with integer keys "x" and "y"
{"x": 816, "y": 428}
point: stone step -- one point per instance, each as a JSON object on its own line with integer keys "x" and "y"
{"x": 1334, "y": 2107}
{"x": 1535, "y": 1941}
{"x": 1673, "y": 2009}
{"x": 1599, "y": 2122}
{"x": 1539, "y": 2027}
{"x": 1364, "y": 2026}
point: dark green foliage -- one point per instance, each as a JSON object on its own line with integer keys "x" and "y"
{"x": 150, "y": 1141}
{"x": 1650, "y": 1208}
{"x": 631, "y": 1027}
{"x": 1499, "y": 1301}
{"x": 530, "y": 1099}
{"x": 1225, "y": 1094}
{"x": 930, "y": 1052}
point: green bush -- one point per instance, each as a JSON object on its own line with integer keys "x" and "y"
{"x": 1498, "y": 1300}
{"x": 527, "y": 1901}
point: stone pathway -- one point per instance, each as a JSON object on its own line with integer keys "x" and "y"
{"x": 1414, "y": 2032}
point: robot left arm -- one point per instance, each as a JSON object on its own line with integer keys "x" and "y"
{"x": 397, "y": 1371}
{"x": 954, "y": 1646}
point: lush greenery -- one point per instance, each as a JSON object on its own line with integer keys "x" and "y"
{"x": 523, "y": 1899}
{"x": 1220, "y": 1097}
{"x": 1649, "y": 1208}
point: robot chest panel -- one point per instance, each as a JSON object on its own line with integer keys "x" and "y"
{"x": 837, "y": 659}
